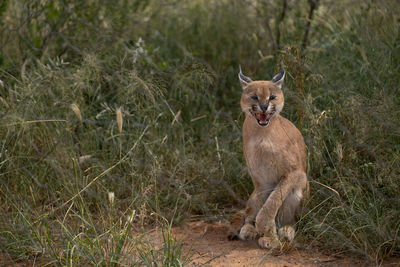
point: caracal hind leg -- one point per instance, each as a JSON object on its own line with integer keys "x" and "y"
{"x": 235, "y": 224}
{"x": 238, "y": 229}
{"x": 265, "y": 220}
{"x": 255, "y": 202}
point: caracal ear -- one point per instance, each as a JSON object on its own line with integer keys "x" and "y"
{"x": 278, "y": 78}
{"x": 244, "y": 80}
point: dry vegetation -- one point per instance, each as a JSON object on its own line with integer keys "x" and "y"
{"x": 119, "y": 115}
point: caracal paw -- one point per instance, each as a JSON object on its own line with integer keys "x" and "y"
{"x": 286, "y": 233}
{"x": 264, "y": 227}
{"x": 248, "y": 232}
{"x": 269, "y": 242}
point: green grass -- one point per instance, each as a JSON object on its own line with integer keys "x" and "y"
{"x": 171, "y": 68}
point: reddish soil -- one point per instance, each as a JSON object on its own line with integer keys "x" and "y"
{"x": 210, "y": 247}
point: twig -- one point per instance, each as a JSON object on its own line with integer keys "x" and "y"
{"x": 279, "y": 22}
{"x": 38, "y": 119}
{"x": 313, "y": 5}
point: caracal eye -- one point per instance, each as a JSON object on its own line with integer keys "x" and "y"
{"x": 254, "y": 97}
{"x": 272, "y": 97}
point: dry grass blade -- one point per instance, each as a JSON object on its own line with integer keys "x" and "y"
{"x": 119, "y": 119}
{"x": 77, "y": 111}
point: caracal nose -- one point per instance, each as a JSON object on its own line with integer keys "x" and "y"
{"x": 264, "y": 107}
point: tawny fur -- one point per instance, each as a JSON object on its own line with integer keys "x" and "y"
{"x": 275, "y": 154}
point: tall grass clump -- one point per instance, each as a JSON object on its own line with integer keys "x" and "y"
{"x": 355, "y": 132}
{"x": 118, "y": 116}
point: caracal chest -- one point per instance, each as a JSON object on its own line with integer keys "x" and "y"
{"x": 263, "y": 157}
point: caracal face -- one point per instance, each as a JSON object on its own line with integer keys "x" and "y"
{"x": 263, "y": 100}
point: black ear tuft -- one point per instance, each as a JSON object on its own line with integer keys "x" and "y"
{"x": 278, "y": 78}
{"x": 244, "y": 80}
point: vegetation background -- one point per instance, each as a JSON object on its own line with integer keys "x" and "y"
{"x": 116, "y": 115}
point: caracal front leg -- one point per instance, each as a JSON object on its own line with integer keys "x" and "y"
{"x": 254, "y": 204}
{"x": 290, "y": 211}
{"x": 265, "y": 219}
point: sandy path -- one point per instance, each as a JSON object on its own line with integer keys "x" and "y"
{"x": 210, "y": 246}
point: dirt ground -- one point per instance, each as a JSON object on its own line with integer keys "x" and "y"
{"x": 210, "y": 247}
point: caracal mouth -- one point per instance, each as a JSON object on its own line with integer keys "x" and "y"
{"x": 262, "y": 118}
